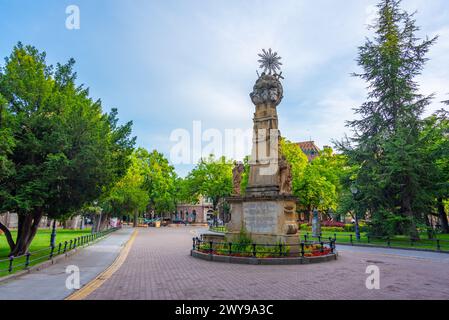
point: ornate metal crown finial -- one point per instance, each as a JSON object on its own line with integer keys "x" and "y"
{"x": 270, "y": 61}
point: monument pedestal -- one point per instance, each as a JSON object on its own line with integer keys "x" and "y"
{"x": 266, "y": 219}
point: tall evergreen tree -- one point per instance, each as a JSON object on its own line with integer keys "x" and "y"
{"x": 392, "y": 171}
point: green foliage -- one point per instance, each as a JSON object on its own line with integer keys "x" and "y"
{"x": 128, "y": 195}
{"x": 211, "y": 178}
{"x": 320, "y": 187}
{"x": 245, "y": 175}
{"x": 298, "y": 162}
{"x": 392, "y": 171}
{"x": 59, "y": 150}
{"x": 159, "y": 180}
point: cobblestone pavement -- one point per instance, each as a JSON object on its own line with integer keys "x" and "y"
{"x": 159, "y": 267}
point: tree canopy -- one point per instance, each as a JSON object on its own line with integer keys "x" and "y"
{"x": 393, "y": 172}
{"x": 62, "y": 149}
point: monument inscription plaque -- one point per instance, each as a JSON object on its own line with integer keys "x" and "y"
{"x": 260, "y": 217}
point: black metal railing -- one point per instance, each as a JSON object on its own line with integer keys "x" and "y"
{"x": 302, "y": 249}
{"x": 30, "y": 258}
{"x": 438, "y": 245}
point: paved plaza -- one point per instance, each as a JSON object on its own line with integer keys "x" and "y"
{"x": 159, "y": 266}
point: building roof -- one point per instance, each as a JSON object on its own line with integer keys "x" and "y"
{"x": 310, "y": 149}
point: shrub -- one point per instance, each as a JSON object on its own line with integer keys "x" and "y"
{"x": 332, "y": 229}
{"x": 332, "y": 224}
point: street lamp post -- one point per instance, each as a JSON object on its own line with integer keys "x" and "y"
{"x": 354, "y": 192}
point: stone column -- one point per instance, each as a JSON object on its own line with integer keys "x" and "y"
{"x": 264, "y": 166}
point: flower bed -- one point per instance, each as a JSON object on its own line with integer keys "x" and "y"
{"x": 271, "y": 252}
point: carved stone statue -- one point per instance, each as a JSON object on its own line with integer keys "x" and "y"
{"x": 237, "y": 173}
{"x": 268, "y": 89}
{"x": 285, "y": 176}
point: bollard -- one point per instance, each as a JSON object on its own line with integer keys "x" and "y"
{"x": 303, "y": 252}
{"x": 27, "y": 261}
{"x": 210, "y": 248}
{"x": 254, "y": 250}
{"x": 11, "y": 260}
{"x": 350, "y": 239}
{"x": 322, "y": 247}
{"x": 438, "y": 245}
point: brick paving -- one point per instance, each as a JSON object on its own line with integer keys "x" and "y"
{"x": 159, "y": 267}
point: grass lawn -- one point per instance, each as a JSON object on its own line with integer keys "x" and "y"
{"x": 40, "y": 242}
{"x": 397, "y": 241}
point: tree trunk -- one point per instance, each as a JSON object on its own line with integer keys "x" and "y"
{"x": 407, "y": 207}
{"x": 430, "y": 230}
{"x": 27, "y": 228}
{"x": 8, "y": 236}
{"x": 136, "y": 217}
{"x": 443, "y": 216}
{"x": 310, "y": 213}
{"x": 104, "y": 223}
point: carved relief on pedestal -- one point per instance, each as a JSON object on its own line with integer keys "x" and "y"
{"x": 237, "y": 173}
{"x": 285, "y": 177}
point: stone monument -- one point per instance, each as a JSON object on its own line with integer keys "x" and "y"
{"x": 267, "y": 210}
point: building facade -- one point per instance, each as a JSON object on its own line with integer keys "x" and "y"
{"x": 195, "y": 213}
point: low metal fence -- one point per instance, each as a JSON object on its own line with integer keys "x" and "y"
{"x": 30, "y": 258}
{"x": 302, "y": 249}
{"x": 438, "y": 245}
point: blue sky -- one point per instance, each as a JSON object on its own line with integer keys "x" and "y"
{"x": 165, "y": 64}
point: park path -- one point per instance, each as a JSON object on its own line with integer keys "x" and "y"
{"x": 159, "y": 266}
{"x": 50, "y": 283}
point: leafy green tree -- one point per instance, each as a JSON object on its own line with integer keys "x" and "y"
{"x": 128, "y": 196}
{"x": 320, "y": 185}
{"x": 386, "y": 137}
{"x": 211, "y": 178}
{"x": 435, "y": 142}
{"x": 64, "y": 152}
{"x": 245, "y": 175}
{"x": 159, "y": 180}
{"x": 297, "y": 160}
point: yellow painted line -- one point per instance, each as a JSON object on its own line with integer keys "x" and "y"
{"x": 96, "y": 283}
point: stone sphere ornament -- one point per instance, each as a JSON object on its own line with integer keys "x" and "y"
{"x": 267, "y": 90}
